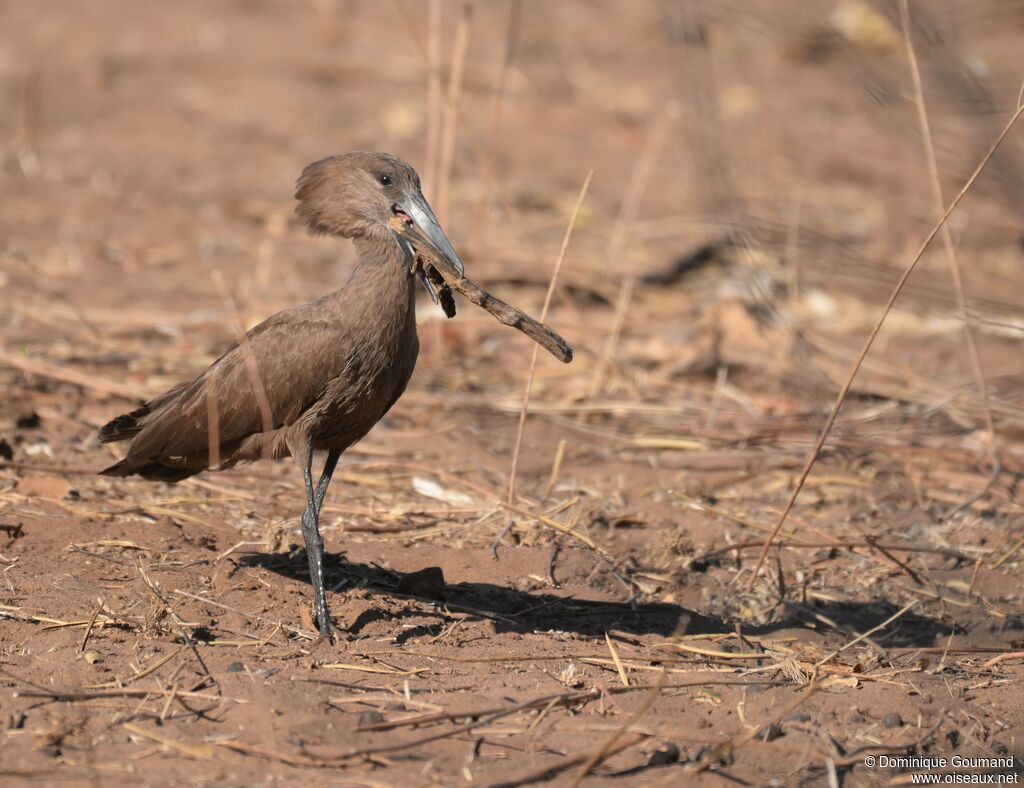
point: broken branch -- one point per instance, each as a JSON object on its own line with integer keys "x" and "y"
{"x": 504, "y": 313}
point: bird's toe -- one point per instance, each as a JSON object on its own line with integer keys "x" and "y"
{"x": 329, "y": 633}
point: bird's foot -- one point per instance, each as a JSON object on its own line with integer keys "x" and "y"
{"x": 329, "y": 633}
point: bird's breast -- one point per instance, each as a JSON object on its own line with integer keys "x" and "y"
{"x": 377, "y": 365}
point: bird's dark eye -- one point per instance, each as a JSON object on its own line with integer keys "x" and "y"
{"x": 385, "y": 180}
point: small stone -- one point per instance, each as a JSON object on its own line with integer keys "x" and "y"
{"x": 665, "y": 754}
{"x": 368, "y": 718}
{"x": 855, "y": 718}
{"x": 892, "y": 720}
{"x": 427, "y": 583}
{"x": 28, "y": 421}
{"x": 235, "y": 667}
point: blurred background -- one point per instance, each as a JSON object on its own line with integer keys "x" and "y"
{"x": 759, "y": 151}
{"x": 760, "y": 182}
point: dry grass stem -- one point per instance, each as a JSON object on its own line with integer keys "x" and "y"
{"x": 639, "y": 180}
{"x": 556, "y": 469}
{"x": 543, "y": 317}
{"x": 202, "y": 753}
{"x": 493, "y": 117}
{"x": 970, "y": 340}
{"x": 435, "y": 106}
{"x": 449, "y": 128}
{"x": 612, "y": 343}
{"x": 617, "y": 659}
{"x": 845, "y": 390}
{"x": 88, "y": 629}
{"x": 864, "y": 636}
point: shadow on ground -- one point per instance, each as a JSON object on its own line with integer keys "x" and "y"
{"x": 512, "y": 610}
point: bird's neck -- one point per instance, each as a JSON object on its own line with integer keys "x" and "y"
{"x": 381, "y": 250}
{"x": 382, "y": 283}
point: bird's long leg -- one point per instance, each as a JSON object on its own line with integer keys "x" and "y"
{"x": 325, "y": 479}
{"x": 315, "y": 547}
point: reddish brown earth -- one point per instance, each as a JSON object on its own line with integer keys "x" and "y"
{"x": 161, "y": 634}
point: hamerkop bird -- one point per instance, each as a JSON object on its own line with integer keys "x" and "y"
{"x": 316, "y": 377}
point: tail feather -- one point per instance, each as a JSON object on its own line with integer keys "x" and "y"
{"x": 128, "y": 425}
{"x": 151, "y": 471}
{"x": 124, "y": 426}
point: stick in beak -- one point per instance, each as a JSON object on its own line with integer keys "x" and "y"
{"x": 433, "y": 260}
{"x": 417, "y": 209}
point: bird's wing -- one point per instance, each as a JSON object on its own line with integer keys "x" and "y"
{"x": 262, "y": 383}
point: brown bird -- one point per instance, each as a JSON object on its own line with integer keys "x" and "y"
{"x": 315, "y": 377}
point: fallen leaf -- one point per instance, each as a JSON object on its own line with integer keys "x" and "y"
{"x": 431, "y": 489}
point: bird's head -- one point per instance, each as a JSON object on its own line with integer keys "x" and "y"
{"x": 356, "y": 194}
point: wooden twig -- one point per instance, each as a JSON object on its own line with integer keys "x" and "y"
{"x": 798, "y": 544}
{"x": 1003, "y": 658}
{"x": 547, "y": 772}
{"x": 550, "y": 701}
{"x": 504, "y": 313}
{"x": 272, "y": 755}
{"x": 78, "y": 695}
{"x": 88, "y": 629}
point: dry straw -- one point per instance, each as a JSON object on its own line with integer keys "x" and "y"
{"x": 543, "y": 317}
{"x": 845, "y": 390}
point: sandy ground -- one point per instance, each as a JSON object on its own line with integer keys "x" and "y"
{"x": 760, "y": 183}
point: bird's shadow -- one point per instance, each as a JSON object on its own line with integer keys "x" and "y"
{"x": 517, "y": 611}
